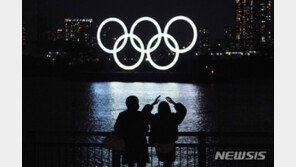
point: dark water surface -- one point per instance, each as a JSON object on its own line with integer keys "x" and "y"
{"x": 57, "y": 104}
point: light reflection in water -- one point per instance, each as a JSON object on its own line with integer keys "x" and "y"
{"x": 53, "y": 104}
{"x": 108, "y": 100}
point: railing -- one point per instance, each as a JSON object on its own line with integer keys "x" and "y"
{"x": 84, "y": 149}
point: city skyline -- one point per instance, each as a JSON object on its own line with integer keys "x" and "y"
{"x": 76, "y": 41}
{"x": 213, "y": 15}
{"x": 240, "y": 31}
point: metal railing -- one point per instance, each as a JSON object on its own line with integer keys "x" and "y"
{"x": 84, "y": 149}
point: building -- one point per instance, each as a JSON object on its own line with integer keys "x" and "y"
{"x": 78, "y": 30}
{"x": 218, "y": 47}
{"x": 59, "y": 34}
{"x": 203, "y": 41}
{"x": 264, "y": 25}
{"x": 93, "y": 42}
{"x": 254, "y": 23}
{"x": 230, "y": 39}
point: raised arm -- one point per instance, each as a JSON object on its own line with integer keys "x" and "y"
{"x": 181, "y": 110}
{"x": 147, "y": 110}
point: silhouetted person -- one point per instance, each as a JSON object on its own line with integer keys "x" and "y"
{"x": 133, "y": 127}
{"x": 164, "y": 128}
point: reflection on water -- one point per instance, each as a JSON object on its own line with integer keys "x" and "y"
{"x": 108, "y": 100}
{"x": 54, "y": 104}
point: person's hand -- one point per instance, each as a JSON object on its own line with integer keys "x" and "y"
{"x": 156, "y": 100}
{"x": 170, "y": 100}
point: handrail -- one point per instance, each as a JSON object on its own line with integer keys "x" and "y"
{"x": 97, "y": 133}
{"x": 201, "y": 145}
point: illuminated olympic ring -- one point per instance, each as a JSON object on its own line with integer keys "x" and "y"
{"x": 149, "y": 48}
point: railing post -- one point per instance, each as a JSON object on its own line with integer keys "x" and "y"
{"x": 115, "y": 159}
{"x": 201, "y": 149}
{"x": 35, "y": 149}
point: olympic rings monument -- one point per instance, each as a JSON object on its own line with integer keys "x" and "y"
{"x": 149, "y": 49}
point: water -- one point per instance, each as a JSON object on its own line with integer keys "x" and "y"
{"x": 57, "y": 104}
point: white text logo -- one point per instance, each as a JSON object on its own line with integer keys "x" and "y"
{"x": 240, "y": 155}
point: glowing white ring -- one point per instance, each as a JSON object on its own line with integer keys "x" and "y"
{"x": 176, "y": 56}
{"x": 131, "y": 36}
{"x": 148, "y": 50}
{"x": 158, "y": 31}
{"x": 112, "y": 19}
{"x": 166, "y": 29}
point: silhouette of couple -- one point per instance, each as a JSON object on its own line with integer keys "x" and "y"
{"x": 132, "y": 125}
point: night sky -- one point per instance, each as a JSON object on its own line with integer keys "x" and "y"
{"x": 212, "y": 14}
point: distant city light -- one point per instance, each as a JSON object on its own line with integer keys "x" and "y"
{"x": 78, "y": 20}
{"x": 71, "y": 33}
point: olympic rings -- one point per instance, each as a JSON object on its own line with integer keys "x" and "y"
{"x": 99, "y": 33}
{"x": 149, "y": 49}
{"x": 166, "y": 29}
{"x": 125, "y": 36}
{"x": 158, "y": 31}
{"x": 176, "y": 56}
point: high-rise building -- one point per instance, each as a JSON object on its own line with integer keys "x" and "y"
{"x": 230, "y": 39}
{"x": 78, "y": 30}
{"x": 203, "y": 40}
{"x": 253, "y": 23}
{"x": 265, "y": 23}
